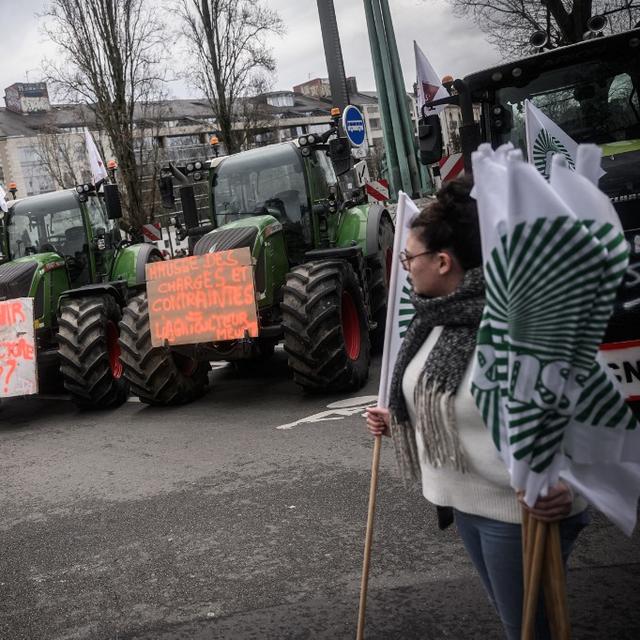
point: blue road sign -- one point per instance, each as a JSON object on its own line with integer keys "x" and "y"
{"x": 353, "y": 124}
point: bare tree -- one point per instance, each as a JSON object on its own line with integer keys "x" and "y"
{"x": 110, "y": 57}
{"x": 509, "y": 23}
{"x": 252, "y": 114}
{"x": 61, "y": 155}
{"x": 227, "y": 43}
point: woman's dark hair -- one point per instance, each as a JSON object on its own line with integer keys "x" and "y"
{"x": 451, "y": 223}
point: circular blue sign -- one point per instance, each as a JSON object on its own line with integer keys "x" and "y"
{"x": 353, "y": 124}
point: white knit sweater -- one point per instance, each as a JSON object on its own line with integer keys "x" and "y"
{"x": 484, "y": 490}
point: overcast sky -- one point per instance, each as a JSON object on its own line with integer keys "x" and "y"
{"x": 453, "y": 46}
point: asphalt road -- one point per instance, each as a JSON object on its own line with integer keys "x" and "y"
{"x": 209, "y": 521}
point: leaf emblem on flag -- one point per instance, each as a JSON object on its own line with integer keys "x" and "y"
{"x": 406, "y": 311}
{"x": 544, "y": 148}
{"x": 537, "y": 355}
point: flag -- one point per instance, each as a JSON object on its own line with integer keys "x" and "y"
{"x": 545, "y": 138}
{"x": 3, "y": 201}
{"x": 98, "y": 171}
{"x": 554, "y": 255}
{"x": 400, "y": 309}
{"x": 429, "y": 84}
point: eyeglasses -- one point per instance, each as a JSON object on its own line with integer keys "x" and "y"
{"x": 406, "y": 258}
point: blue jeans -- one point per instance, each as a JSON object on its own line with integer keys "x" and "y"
{"x": 496, "y": 551}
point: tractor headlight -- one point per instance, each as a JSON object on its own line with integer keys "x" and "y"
{"x": 190, "y": 167}
{"x": 197, "y": 176}
{"x": 303, "y": 141}
{"x": 197, "y": 165}
{"x": 311, "y": 138}
{"x": 305, "y": 151}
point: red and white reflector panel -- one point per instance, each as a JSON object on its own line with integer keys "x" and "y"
{"x": 152, "y": 232}
{"x": 377, "y": 190}
{"x": 451, "y": 166}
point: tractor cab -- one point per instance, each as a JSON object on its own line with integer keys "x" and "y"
{"x": 72, "y": 225}
{"x": 298, "y": 189}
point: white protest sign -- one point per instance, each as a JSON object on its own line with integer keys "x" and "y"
{"x": 18, "y": 373}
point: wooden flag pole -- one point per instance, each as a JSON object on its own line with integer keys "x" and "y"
{"x": 554, "y": 585}
{"x": 375, "y": 463}
{"x": 543, "y": 563}
{"x": 536, "y": 535}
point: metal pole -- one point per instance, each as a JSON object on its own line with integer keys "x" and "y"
{"x": 403, "y": 108}
{"x": 333, "y": 54}
{"x": 385, "y": 114}
{"x": 394, "y": 103}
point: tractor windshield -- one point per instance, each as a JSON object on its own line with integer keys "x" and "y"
{"x": 49, "y": 222}
{"x": 266, "y": 180}
{"x": 590, "y": 101}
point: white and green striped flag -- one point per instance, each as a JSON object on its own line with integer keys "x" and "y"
{"x": 554, "y": 255}
{"x": 400, "y": 309}
{"x": 545, "y": 139}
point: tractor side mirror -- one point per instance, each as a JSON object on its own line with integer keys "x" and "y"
{"x": 430, "y": 139}
{"x": 100, "y": 239}
{"x": 340, "y": 154}
{"x": 189, "y": 207}
{"x": 165, "y": 186}
{"x": 112, "y": 201}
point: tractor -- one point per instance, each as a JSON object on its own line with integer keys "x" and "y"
{"x": 64, "y": 249}
{"x": 321, "y": 262}
{"x": 591, "y": 90}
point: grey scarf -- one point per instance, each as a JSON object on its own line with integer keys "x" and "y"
{"x": 459, "y": 313}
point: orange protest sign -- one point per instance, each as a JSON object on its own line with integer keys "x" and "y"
{"x": 207, "y": 298}
{"x": 18, "y": 370}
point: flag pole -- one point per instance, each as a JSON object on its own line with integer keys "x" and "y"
{"x": 543, "y": 564}
{"x": 375, "y": 463}
{"x": 386, "y": 369}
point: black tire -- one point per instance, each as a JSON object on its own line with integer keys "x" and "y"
{"x": 204, "y": 244}
{"x": 157, "y": 375}
{"x": 378, "y": 282}
{"x": 89, "y": 352}
{"x": 326, "y": 337}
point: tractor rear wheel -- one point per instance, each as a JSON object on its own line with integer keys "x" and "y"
{"x": 90, "y": 353}
{"x": 326, "y": 327}
{"x": 157, "y": 375}
{"x": 378, "y": 282}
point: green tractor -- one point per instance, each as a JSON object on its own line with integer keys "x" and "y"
{"x": 591, "y": 90}
{"x": 321, "y": 263}
{"x": 64, "y": 250}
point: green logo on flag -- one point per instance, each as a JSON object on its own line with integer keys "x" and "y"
{"x": 406, "y": 311}
{"x": 545, "y": 147}
{"x": 550, "y": 288}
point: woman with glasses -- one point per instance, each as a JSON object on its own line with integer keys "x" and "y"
{"x": 437, "y": 430}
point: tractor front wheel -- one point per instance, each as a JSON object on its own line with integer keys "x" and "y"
{"x": 326, "y": 328}
{"x": 157, "y": 375}
{"x": 90, "y": 353}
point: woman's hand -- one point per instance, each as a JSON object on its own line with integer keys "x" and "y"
{"x": 377, "y": 421}
{"x": 555, "y": 506}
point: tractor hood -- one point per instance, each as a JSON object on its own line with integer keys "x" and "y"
{"x": 16, "y": 278}
{"x": 22, "y": 277}
{"x": 239, "y": 233}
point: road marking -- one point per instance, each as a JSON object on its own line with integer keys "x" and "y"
{"x": 336, "y": 411}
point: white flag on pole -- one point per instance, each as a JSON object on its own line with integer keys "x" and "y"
{"x": 98, "y": 171}
{"x": 429, "y": 84}
{"x": 400, "y": 310}
{"x": 554, "y": 256}
{"x": 3, "y": 201}
{"x": 545, "y": 138}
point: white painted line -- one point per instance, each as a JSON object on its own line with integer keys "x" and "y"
{"x": 336, "y": 411}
